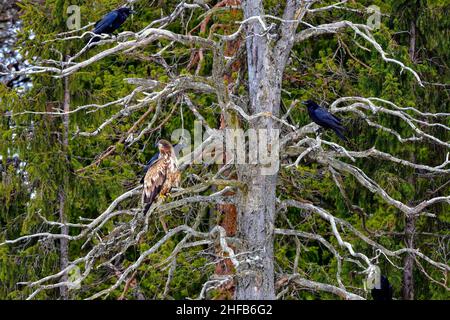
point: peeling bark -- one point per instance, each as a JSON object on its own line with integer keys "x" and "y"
{"x": 228, "y": 213}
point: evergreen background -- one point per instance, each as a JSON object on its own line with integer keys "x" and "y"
{"x": 323, "y": 68}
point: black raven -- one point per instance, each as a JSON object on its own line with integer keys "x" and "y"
{"x": 384, "y": 292}
{"x": 323, "y": 118}
{"x": 155, "y": 157}
{"x": 111, "y": 22}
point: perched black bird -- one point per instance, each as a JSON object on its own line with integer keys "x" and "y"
{"x": 384, "y": 292}
{"x": 111, "y": 22}
{"x": 323, "y": 118}
{"x": 155, "y": 157}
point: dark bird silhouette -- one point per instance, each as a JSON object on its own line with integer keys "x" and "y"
{"x": 162, "y": 175}
{"x": 384, "y": 291}
{"x": 325, "y": 119}
{"x": 111, "y": 22}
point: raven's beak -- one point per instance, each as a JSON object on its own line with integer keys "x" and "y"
{"x": 133, "y": 12}
{"x": 304, "y": 103}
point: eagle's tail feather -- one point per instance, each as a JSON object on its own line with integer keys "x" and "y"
{"x": 146, "y": 208}
{"x": 148, "y": 199}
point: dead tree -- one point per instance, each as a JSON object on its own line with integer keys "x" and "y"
{"x": 267, "y": 44}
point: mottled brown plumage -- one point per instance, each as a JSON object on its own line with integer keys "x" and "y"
{"x": 162, "y": 176}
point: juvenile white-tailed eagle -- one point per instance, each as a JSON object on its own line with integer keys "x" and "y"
{"x": 161, "y": 176}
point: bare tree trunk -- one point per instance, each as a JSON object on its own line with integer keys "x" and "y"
{"x": 412, "y": 41}
{"x": 64, "y": 245}
{"x": 267, "y": 55}
{"x": 228, "y": 212}
{"x": 408, "y": 263}
{"x": 256, "y": 209}
{"x": 256, "y": 216}
{"x": 410, "y": 221}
